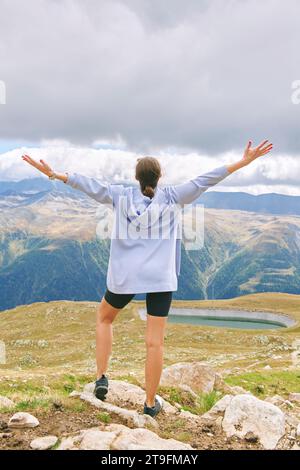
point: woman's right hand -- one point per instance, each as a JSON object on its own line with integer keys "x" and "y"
{"x": 42, "y": 166}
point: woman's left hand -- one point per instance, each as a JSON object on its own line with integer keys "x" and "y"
{"x": 251, "y": 154}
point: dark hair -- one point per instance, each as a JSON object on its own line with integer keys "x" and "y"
{"x": 148, "y": 172}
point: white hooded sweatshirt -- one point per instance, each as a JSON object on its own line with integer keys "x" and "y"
{"x": 145, "y": 243}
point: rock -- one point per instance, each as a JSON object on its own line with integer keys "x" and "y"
{"x": 186, "y": 388}
{"x": 218, "y": 409}
{"x": 291, "y": 420}
{"x": 298, "y": 430}
{"x": 267, "y": 367}
{"x": 6, "y": 403}
{"x": 120, "y": 437}
{"x": 188, "y": 415}
{"x": 94, "y": 439}
{"x": 23, "y": 420}
{"x": 196, "y": 375}
{"x": 246, "y": 413}
{"x": 218, "y": 421}
{"x": 43, "y": 443}
{"x": 42, "y": 343}
{"x": 143, "y": 439}
{"x": 237, "y": 390}
{"x": 261, "y": 339}
{"x": 288, "y": 404}
{"x": 294, "y": 397}
{"x": 68, "y": 443}
{"x": 250, "y": 437}
{"x": 131, "y": 417}
{"x": 275, "y": 400}
{"x": 124, "y": 394}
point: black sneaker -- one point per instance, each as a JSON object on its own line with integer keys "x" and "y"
{"x": 153, "y": 410}
{"x": 101, "y": 387}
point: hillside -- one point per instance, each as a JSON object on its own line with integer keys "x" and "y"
{"x": 50, "y": 350}
{"x": 36, "y": 333}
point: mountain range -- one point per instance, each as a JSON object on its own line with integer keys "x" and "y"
{"x": 49, "y": 248}
{"x": 269, "y": 203}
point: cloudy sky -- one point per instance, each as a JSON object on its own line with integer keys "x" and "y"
{"x": 92, "y": 84}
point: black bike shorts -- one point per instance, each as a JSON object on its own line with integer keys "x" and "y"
{"x": 157, "y": 303}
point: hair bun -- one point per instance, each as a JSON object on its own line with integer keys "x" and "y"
{"x": 148, "y": 172}
{"x": 148, "y": 191}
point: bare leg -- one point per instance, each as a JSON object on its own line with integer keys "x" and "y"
{"x": 104, "y": 334}
{"x": 154, "y": 358}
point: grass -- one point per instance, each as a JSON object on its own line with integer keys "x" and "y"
{"x": 176, "y": 429}
{"x": 50, "y": 373}
{"x": 40, "y": 394}
{"x": 198, "y": 404}
{"x": 104, "y": 417}
{"x": 60, "y": 385}
{"x": 33, "y": 404}
{"x": 267, "y": 383}
{"x": 56, "y": 445}
{"x": 32, "y": 396}
{"x": 207, "y": 400}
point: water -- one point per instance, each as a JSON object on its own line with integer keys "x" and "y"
{"x": 223, "y": 322}
{"x": 242, "y": 319}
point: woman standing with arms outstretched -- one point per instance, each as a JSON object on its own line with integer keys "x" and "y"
{"x": 143, "y": 264}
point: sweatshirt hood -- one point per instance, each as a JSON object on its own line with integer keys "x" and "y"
{"x": 143, "y": 211}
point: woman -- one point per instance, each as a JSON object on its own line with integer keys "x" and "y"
{"x": 143, "y": 264}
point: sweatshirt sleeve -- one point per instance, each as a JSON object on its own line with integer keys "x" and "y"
{"x": 186, "y": 193}
{"x": 105, "y": 193}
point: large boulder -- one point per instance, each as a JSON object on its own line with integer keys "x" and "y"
{"x": 131, "y": 417}
{"x": 196, "y": 375}
{"x": 124, "y": 394}
{"x": 247, "y": 414}
{"x": 218, "y": 409}
{"x": 143, "y": 439}
{"x": 94, "y": 439}
{"x": 23, "y": 420}
{"x": 120, "y": 437}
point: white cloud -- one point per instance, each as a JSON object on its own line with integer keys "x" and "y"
{"x": 271, "y": 173}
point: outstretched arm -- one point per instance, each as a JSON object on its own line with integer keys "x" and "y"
{"x": 43, "y": 167}
{"x": 251, "y": 154}
{"x": 96, "y": 189}
{"x": 186, "y": 193}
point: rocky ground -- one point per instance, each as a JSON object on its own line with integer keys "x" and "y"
{"x": 238, "y": 420}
